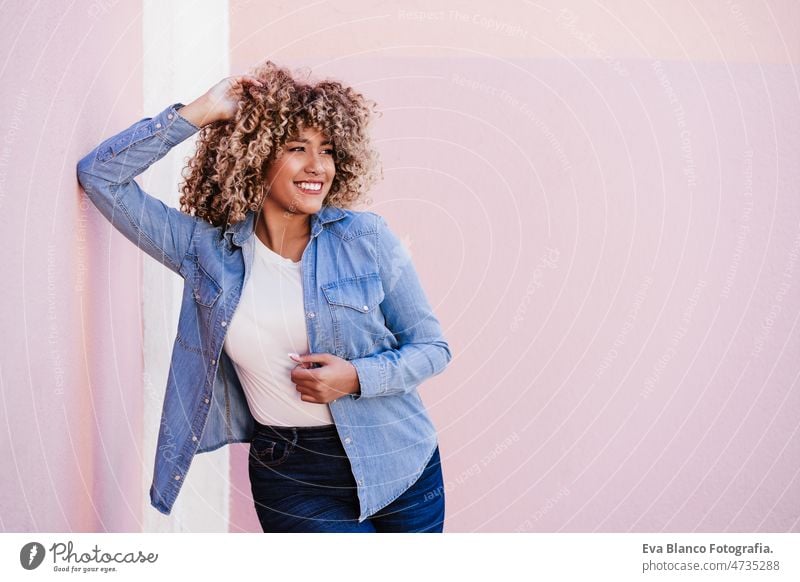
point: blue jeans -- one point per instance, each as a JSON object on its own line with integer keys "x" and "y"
{"x": 302, "y": 482}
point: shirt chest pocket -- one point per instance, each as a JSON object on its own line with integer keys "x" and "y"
{"x": 205, "y": 288}
{"x": 358, "y": 323}
{"x": 201, "y": 296}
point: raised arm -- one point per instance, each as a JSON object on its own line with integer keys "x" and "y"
{"x": 107, "y": 172}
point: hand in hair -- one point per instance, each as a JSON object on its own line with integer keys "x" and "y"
{"x": 220, "y": 102}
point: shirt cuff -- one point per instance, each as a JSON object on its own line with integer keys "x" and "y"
{"x": 174, "y": 127}
{"x": 370, "y": 377}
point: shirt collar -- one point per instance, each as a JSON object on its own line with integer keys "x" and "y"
{"x": 242, "y": 230}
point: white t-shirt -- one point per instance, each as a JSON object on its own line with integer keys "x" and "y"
{"x": 269, "y": 322}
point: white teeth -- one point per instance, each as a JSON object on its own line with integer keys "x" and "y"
{"x": 309, "y": 186}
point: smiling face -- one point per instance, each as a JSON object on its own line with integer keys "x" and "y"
{"x": 301, "y": 176}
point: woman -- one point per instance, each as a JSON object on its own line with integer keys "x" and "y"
{"x": 303, "y": 328}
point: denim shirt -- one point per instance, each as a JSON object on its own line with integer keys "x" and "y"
{"x": 363, "y": 302}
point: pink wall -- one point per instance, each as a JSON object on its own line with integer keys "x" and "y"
{"x": 71, "y": 367}
{"x": 604, "y": 238}
{"x": 601, "y": 202}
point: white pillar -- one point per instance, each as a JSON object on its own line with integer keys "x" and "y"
{"x": 185, "y": 52}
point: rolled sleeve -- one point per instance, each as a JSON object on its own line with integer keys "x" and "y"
{"x": 371, "y": 378}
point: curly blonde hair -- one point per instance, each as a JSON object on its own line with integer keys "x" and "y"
{"x": 226, "y": 177}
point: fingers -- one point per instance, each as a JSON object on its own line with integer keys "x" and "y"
{"x": 241, "y": 79}
{"x": 309, "y": 398}
{"x": 301, "y": 374}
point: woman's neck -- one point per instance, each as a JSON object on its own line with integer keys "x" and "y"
{"x": 285, "y": 235}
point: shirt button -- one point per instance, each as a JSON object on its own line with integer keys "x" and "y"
{"x": 158, "y": 125}
{"x": 347, "y": 440}
{"x": 194, "y": 438}
{"x": 169, "y": 116}
{"x": 224, "y": 323}
{"x": 213, "y": 362}
{"x": 177, "y": 477}
{"x": 206, "y": 400}
{"x": 311, "y": 314}
{"x": 365, "y": 308}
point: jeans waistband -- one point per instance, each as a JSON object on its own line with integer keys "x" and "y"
{"x": 292, "y": 432}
